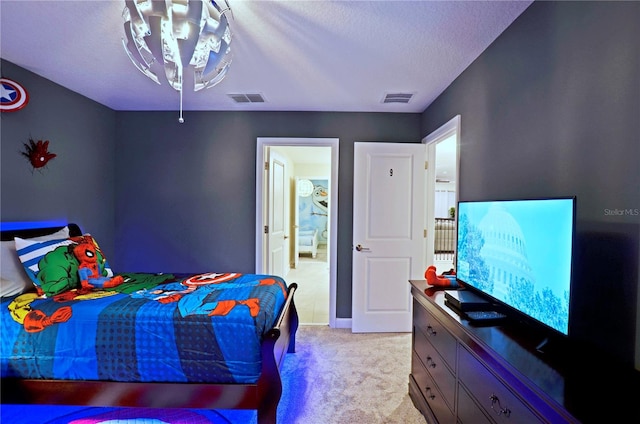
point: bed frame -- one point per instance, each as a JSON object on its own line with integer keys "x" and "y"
{"x": 263, "y": 396}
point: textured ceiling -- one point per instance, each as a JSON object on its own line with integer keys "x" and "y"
{"x": 299, "y": 55}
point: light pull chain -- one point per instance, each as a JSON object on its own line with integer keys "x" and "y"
{"x": 181, "y": 119}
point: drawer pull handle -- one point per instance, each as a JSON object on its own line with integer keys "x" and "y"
{"x": 431, "y": 331}
{"x": 430, "y": 362}
{"x": 499, "y": 409}
{"x": 429, "y": 393}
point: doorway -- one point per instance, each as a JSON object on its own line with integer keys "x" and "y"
{"x": 443, "y": 158}
{"x": 313, "y": 160}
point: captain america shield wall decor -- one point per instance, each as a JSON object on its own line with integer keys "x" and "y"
{"x": 13, "y": 96}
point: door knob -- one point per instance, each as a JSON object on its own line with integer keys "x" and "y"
{"x": 359, "y": 248}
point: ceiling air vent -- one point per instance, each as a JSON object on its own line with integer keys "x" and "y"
{"x": 247, "y": 98}
{"x": 397, "y": 98}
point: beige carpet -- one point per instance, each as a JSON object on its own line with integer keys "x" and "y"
{"x": 339, "y": 377}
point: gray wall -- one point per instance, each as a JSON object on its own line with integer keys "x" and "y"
{"x": 78, "y": 185}
{"x": 186, "y": 192}
{"x": 553, "y": 108}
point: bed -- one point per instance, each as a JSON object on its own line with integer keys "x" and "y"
{"x": 195, "y": 341}
{"x": 308, "y": 242}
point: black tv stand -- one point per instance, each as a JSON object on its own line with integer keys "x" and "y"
{"x": 555, "y": 348}
{"x": 542, "y": 346}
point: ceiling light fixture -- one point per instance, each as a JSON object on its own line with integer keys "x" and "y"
{"x": 192, "y": 34}
{"x": 305, "y": 188}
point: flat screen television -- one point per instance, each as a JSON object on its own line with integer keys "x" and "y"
{"x": 518, "y": 254}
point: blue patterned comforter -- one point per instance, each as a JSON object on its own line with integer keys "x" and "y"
{"x": 154, "y": 327}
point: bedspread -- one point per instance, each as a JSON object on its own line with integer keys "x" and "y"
{"x": 154, "y": 327}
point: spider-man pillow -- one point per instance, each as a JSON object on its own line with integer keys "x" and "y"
{"x": 52, "y": 265}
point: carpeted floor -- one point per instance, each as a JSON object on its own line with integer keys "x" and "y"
{"x": 334, "y": 377}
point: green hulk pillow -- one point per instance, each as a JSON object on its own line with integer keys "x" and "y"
{"x": 58, "y": 271}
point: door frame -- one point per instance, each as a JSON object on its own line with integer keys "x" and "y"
{"x": 445, "y": 131}
{"x": 262, "y": 214}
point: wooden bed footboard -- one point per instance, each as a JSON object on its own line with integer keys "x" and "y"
{"x": 280, "y": 340}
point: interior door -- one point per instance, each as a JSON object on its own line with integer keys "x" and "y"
{"x": 388, "y": 234}
{"x": 277, "y": 243}
{"x": 296, "y": 225}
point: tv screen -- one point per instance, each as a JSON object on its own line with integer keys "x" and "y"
{"x": 518, "y": 252}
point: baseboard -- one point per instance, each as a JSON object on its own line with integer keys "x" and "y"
{"x": 343, "y": 323}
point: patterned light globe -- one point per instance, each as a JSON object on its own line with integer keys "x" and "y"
{"x": 305, "y": 188}
{"x": 173, "y": 35}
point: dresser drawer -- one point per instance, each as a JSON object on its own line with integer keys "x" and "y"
{"x": 468, "y": 411}
{"x": 494, "y": 397}
{"x": 430, "y": 392}
{"x": 436, "y": 333}
{"x": 435, "y": 365}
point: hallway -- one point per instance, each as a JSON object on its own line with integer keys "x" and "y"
{"x": 312, "y": 296}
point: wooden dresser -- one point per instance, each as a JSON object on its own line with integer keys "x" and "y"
{"x": 469, "y": 375}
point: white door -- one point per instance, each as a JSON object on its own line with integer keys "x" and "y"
{"x": 277, "y": 243}
{"x": 388, "y": 234}
{"x": 296, "y": 225}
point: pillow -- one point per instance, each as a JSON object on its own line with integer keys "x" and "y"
{"x": 60, "y": 234}
{"x": 12, "y": 288}
{"x": 51, "y": 264}
{"x": 13, "y": 279}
